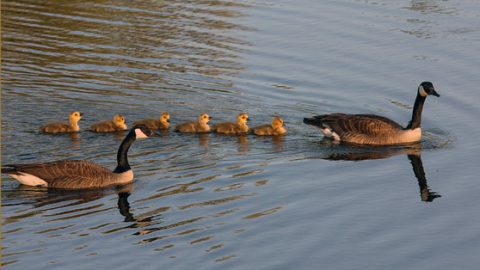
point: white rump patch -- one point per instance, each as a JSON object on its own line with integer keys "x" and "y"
{"x": 422, "y": 91}
{"x": 330, "y": 134}
{"x": 29, "y": 179}
{"x": 139, "y": 134}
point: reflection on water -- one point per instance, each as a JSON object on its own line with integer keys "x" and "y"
{"x": 413, "y": 153}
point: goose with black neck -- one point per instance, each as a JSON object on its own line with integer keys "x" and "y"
{"x": 373, "y": 129}
{"x": 79, "y": 174}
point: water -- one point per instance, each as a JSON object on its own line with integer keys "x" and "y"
{"x": 221, "y": 202}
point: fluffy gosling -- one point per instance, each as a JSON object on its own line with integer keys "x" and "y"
{"x": 153, "y": 124}
{"x": 199, "y": 126}
{"x": 117, "y": 124}
{"x": 276, "y": 128}
{"x": 59, "y": 127}
{"x": 238, "y": 128}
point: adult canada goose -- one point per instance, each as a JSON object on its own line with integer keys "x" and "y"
{"x": 78, "y": 174}
{"x": 238, "y": 128}
{"x": 162, "y": 123}
{"x": 60, "y": 127}
{"x": 275, "y": 128}
{"x": 373, "y": 129}
{"x": 199, "y": 126}
{"x": 116, "y": 124}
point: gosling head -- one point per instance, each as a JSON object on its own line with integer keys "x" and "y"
{"x": 141, "y": 131}
{"x": 204, "y": 118}
{"x": 242, "y": 119}
{"x": 74, "y": 117}
{"x": 165, "y": 118}
{"x": 426, "y": 89}
{"x": 119, "y": 121}
{"x": 277, "y": 123}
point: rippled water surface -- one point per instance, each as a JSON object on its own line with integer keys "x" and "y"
{"x": 222, "y": 202}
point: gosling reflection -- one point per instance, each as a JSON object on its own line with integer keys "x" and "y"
{"x": 243, "y": 145}
{"x": 203, "y": 140}
{"x": 413, "y": 153}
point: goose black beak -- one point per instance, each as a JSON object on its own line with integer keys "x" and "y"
{"x": 434, "y": 93}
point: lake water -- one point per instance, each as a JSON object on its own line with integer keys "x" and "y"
{"x": 222, "y": 202}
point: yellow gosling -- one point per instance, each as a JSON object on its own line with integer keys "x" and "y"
{"x": 238, "y": 128}
{"x": 199, "y": 126}
{"x": 275, "y": 129}
{"x": 59, "y": 127}
{"x": 162, "y": 123}
{"x": 117, "y": 124}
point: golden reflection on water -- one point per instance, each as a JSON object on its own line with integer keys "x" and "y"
{"x": 107, "y": 47}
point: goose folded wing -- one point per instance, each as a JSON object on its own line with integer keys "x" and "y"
{"x": 66, "y": 173}
{"x": 370, "y": 125}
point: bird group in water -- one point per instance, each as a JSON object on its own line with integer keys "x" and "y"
{"x": 200, "y": 125}
{"x": 364, "y": 129}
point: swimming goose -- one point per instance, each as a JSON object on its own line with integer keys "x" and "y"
{"x": 275, "y": 128}
{"x": 199, "y": 126}
{"x": 162, "y": 123}
{"x": 78, "y": 174}
{"x": 117, "y": 124}
{"x": 238, "y": 128}
{"x": 373, "y": 129}
{"x": 59, "y": 127}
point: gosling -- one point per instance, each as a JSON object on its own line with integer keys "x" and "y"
{"x": 117, "y": 124}
{"x": 238, "y": 128}
{"x": 60, "y": 127}
{"x": 199, "y": 126}
{"x": 163, "y": 123}
{"x": 275, "y": 129}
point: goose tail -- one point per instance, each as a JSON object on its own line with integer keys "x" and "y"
{"x": 314, "y": 121}
{"x": 9, "y": 169}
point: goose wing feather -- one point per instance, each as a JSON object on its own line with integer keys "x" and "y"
{"x": 366, "y": 124}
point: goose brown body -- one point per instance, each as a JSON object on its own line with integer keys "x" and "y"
{"x": 374, "y": 129}
{"x": 230, "y": 128}
{"x": 116, "y": 124}
{"x": 69, "y": 174}
{"x": 162, "y": 123}
{"x": 61, "y": 127}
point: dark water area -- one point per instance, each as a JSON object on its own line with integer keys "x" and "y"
{"x": 223, "y": 202}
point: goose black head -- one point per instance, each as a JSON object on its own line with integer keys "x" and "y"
{"x": 142, "y": 131}
{"x": 426, "y": 89}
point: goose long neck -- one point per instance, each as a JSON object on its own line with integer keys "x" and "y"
{"x": 122, "y": 159}
{"x": 417, "y": 112}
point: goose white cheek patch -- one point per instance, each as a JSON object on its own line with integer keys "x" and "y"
{"x": 422, "y": 91}
{"x": 139, "y": 134}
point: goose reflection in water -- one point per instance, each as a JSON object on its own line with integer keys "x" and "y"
{"x": 40, "y": 197}
{"x": 413, "y": 153}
